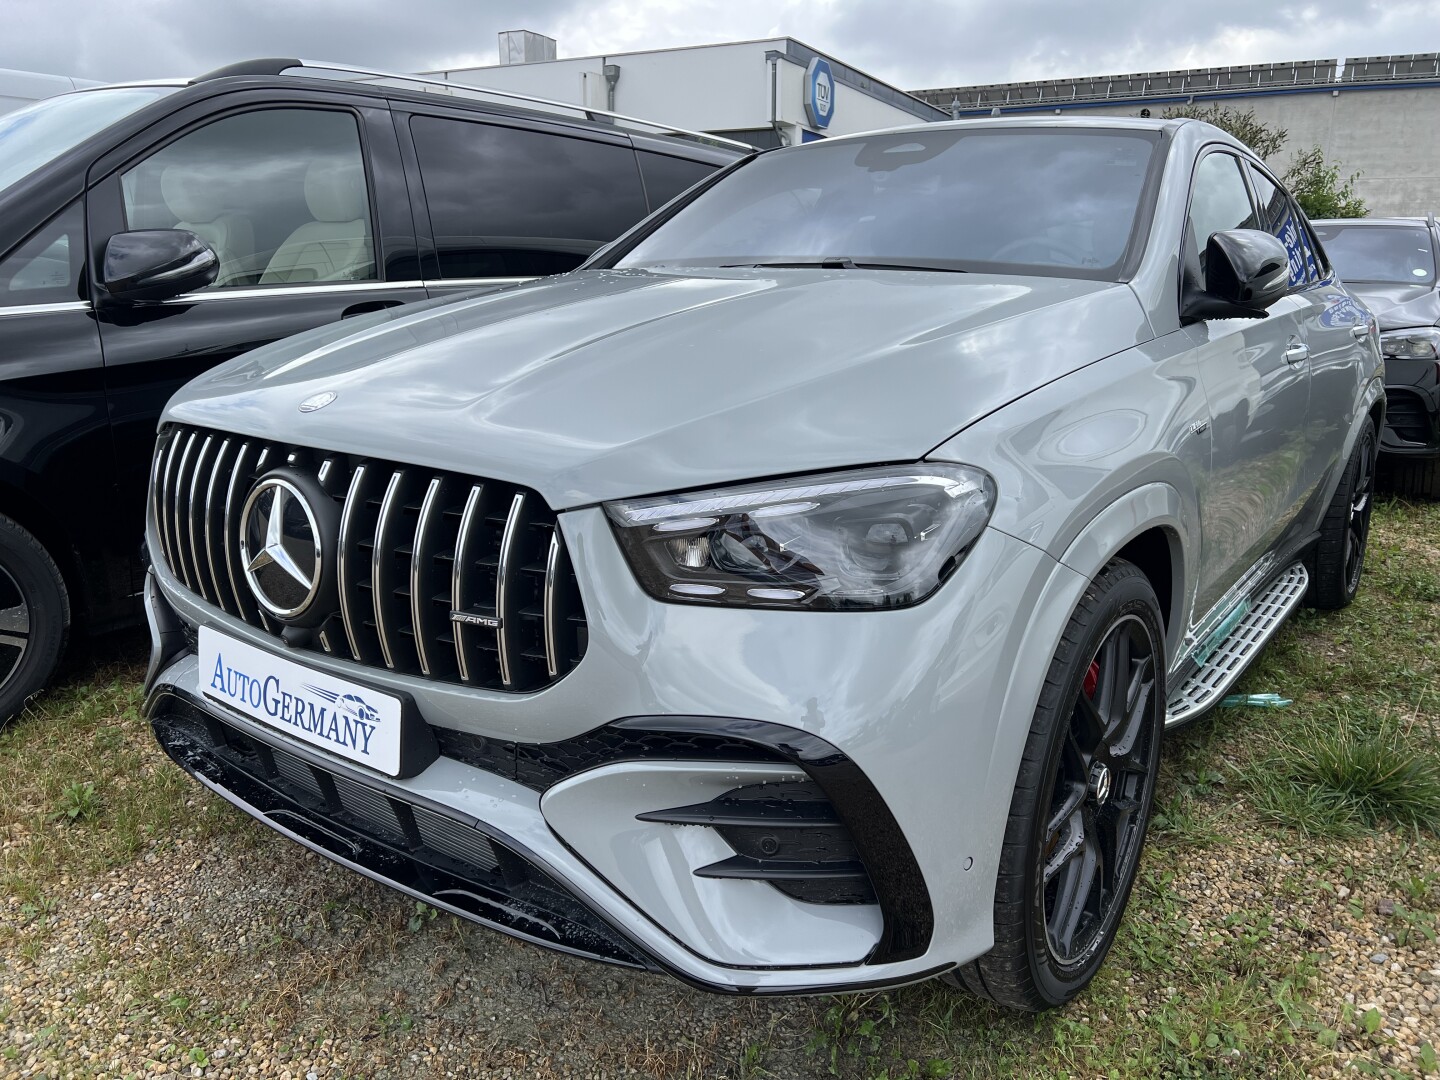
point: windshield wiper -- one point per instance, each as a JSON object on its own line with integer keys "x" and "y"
{"x": 837, "y": 263}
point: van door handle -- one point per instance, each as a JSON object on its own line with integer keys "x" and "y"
{"x": 367, "y": 307}
{"x": 1296, "y": 352}
{"x": 1360, "y": 331}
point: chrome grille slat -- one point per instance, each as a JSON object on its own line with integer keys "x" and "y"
{"x": 502, "y": 583}
{"x": 181, "y": 562}
{"x": 347, "y": 539}
{"x": 209, "y": 512}
{"x": 458, "y": 579}
{"x": 202, "y": 571}
{"x": 378, "y": 557}
{"x": 419, "y": 557}
{"x": 552, "y": 559}
{"x": 415, "y": 545}
{"x": 245, "y": 605}
{"x": 159, "y": 477}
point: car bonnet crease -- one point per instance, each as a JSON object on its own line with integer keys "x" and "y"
{"x": 604, "y": 384}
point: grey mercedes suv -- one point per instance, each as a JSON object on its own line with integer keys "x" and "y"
{"x": 792, "y": 598}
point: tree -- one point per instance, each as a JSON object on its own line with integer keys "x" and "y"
{"x": 1317, "y": 188}
{"x": 1265, "y": 140}
{"x": 1315, "y": 185}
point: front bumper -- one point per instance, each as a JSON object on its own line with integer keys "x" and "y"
{"x": 527, "y": 821}
{"x": 1412, "y": 408}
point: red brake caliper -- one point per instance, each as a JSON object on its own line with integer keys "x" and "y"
{"x": 1092, "y": 679}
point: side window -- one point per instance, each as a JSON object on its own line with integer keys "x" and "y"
{"x": 280, "y": 195}
{"x": 506, "y": 202}
{"x": 45, "y": 267}
{"x": 666, "y": 176}
{"x": 1282, "y": 218}
{"x": 1219, "y": 200}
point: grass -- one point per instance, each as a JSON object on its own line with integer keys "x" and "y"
{"x": 1344, "y": 772}
{"x": 1319, "y": 821}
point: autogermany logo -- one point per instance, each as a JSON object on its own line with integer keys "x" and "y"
{"x": 281, "y": 548}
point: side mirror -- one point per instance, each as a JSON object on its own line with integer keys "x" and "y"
{"x": 1246, "y": 271}
{"x": 146, "y": 265}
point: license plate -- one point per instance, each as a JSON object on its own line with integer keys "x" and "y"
{"x": 355, "y": 722}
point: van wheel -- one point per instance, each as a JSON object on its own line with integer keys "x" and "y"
{"x": 1082, "y": 800}
{"x": 34, "y": 617}
{"x": 1345, "y": 533}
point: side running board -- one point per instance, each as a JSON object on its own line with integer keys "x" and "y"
{"x": 1230, "y": 657}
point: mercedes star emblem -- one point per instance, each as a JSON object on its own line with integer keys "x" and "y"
{"x": 318, "y": 401}
{"x": 280, "y": 547}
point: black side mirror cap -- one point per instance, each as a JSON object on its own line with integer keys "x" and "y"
{"x": 148, "y": 265}
{"x": 1246, "y": 271}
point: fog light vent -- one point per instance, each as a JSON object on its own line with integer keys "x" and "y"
{"x": 787, "y": 834}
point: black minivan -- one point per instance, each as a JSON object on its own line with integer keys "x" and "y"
{"x": 150, "y": 231}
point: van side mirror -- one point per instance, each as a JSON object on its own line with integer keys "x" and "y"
{"x": 1246, "y": 271}
{"x": 146, "y": 265}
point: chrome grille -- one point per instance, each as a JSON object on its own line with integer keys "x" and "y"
{"x": 415, "y": 545}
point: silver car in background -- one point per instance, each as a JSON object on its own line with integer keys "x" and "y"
{"x": 794, "y": 597}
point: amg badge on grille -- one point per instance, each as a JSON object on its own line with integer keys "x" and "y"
{"x": 469, "y": 618}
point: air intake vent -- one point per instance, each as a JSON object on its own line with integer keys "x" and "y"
{"x": 440, "y": 576}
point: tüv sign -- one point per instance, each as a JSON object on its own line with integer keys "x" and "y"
{"x": 819, "y": 93}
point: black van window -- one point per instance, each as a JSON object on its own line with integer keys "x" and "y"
{"x": 506, "y": 202}
{"x": 666, "y": 176}
{"x": 45, "y": 267}
{"x": 279, "y": 194}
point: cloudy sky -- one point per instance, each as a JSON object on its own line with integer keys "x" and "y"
{"x": 911, "y": 43}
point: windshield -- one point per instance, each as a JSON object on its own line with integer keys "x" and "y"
{"x": 44, "y": 130}
{"x": 1005, "y": 200}
{"x": 1384, "y": 254}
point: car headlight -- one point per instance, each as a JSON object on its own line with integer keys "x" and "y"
{"x": 1422, "y": 343}
{"x": 871, "y": 538}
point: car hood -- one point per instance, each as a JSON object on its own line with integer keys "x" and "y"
{"x": 1400, "y": 307}
{"x": 602, "y": 384}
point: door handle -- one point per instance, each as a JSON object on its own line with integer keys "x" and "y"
{"x": 1296, "y": 352}
{"x": 367, "y": 307}
{"x": 1360, "y": 331}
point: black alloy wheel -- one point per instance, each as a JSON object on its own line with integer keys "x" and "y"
{"x": 1339, "y": 558}
{"x": 1095, "y": 826}
{"x": 1082, "y": 800}
{"x": 34, "y": 617}
{"x": 1362, "y": 502}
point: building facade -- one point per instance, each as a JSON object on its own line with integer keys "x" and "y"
{"x": 772, "y": 92}
{"x": 1376, "y": 115}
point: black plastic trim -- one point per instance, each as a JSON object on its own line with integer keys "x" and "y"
{"x": 885, "y": 852}
{"x": 745, "y": 868}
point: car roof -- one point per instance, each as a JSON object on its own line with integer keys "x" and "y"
{"x": 268, "y": 74}
{"x": 1409, "y": 222}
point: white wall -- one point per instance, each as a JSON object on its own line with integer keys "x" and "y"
{"x": 19, "y": 88}
{"x": 708, "y": 88}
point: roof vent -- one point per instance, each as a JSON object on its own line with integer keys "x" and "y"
{"x": 525, "y": 47}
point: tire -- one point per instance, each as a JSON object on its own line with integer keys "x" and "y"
{"x": 34, "y": 617}
{"x": 1411, "y": 478}
{"x": 1340, "y": 556}
{"x": 1053, "y": 933}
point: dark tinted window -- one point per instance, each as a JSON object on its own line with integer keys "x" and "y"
{"x": 997, "y": 199}
{"x": 1393, "y": 254}
{"x": 1219, "y": 201}
{"x": 45, "y": 268}
{"x": 511, "y": 203}
{"x": 666, "y": 176}
{"x": 1282, "y": 218}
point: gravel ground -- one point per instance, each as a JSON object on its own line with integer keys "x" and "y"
{"x": 250, "y": 957}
